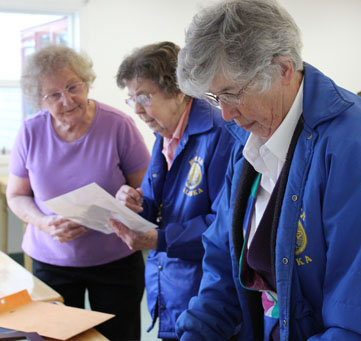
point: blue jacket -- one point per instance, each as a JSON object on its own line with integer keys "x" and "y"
{"x": 318, "y": 242}
{"x": 185, "y": 198}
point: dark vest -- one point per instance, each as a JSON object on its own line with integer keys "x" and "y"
{"x": 247, "y": 178}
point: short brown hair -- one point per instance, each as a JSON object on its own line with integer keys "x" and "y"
{"x": 156, "y": 62}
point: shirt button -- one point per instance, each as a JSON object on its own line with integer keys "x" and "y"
{"x": 154, "y": 175}
{"x": 285, "y": 260}
{"x": 160, "y": 267}
{"x": 284, "y": 322}
{"x": 309, "y": 137}
{"x": 294, "y": 197}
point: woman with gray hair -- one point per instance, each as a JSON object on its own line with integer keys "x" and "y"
{"x": 71, "y": 142}
{"x": 180, "y": 189}
{"x": 287, "y": 230}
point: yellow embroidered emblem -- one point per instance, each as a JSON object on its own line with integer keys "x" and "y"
{"x": 194, "y": 177}
{"x": 301, "y": 239}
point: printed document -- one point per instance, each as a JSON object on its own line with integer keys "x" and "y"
{"x": 92, "y": 206}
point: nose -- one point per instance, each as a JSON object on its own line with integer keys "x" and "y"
{"x": 138, "y": 108}
{"x": 229, "y": 112}
{"x": 66, "y": 98}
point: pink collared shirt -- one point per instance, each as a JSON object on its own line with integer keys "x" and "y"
{"x": 170, "y": 144}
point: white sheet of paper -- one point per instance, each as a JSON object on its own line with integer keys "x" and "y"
{"x": 92, "y": 206}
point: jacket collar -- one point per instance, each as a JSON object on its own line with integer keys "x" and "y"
{"x": 322, "y": 98}
{"x": 237, "y": 132}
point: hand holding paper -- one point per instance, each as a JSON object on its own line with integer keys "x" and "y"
{"x": 92, "y": 206}
{"x": 60, "y": 228}
{"x": 135, "y": 240}
{"x": 131, "y": 198}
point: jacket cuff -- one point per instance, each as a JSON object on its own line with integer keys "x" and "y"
{"x": 161, "y": 242}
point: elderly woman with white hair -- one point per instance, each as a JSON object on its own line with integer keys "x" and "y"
{"x": 283, "y": 257}
{"x": 71, "y": 142}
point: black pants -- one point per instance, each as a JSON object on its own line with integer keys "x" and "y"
{"x": 114, "y": 288}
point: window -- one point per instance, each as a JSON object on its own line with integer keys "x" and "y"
{"x": 24, "y": 33}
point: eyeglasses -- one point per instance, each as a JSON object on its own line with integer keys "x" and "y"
{"x": 142, "y": 99}
{"x": 227, "y": 98}
{"x": 72, "y": 89}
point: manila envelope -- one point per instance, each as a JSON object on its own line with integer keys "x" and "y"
{"x": 57, "y": 321}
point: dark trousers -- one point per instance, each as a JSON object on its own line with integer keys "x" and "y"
{"x": 114, "y": 288}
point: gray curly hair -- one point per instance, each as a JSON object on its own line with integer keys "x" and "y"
{"x": 240, "y": 39}
{"x": 49, "y": 60}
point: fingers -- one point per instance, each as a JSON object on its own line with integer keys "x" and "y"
{"x": 131, "y": 198}
{"x": 135, "y": 240}
{"x": 128, "y": 236}
{"x": 67, "y": 234}
{"x": 140, "y": 192}
{"x": 64, "y": 230}
{"x": 119, "y": 228}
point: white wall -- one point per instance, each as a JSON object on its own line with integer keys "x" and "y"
{"x": 112, "y": 28}
{"x": 331, "y": 31}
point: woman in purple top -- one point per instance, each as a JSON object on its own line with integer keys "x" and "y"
{"x": 72, "y": 142}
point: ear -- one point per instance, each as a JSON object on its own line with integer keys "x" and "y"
{"x": 287, "y": 69}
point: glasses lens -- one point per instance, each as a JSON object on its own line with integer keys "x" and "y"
{"x": 75, "y": 88}
{"x": 143, "y": 100}
{"x": 72, "y": 90}
{"x": 53, "y": 97}
{"x": 230, "y": 99}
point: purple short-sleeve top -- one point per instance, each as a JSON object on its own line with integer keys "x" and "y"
{"x": 111, "y": 149}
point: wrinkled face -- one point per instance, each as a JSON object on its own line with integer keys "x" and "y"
{"x": 160, "y": 112}
{"x": 70, "y": 107}
{"x": 259, "y": 113}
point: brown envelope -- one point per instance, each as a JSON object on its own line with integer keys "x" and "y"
{"x": 19, "y": 312}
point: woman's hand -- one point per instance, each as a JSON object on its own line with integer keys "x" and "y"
{"x": 21, "y": 201}
{"x": 135, "y": 240}
{"x": 60, "y": 228}
{"x": 131, "y": 198}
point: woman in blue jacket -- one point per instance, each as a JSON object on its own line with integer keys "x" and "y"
{"x": 184, "y": 177}
{"x": 283, "y": 257}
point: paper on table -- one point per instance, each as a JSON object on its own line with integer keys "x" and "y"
{"x": 92, "y": 206}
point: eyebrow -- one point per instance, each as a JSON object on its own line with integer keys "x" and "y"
{"x": 224, "y": 90}
{"x": 137, "y": 93}
{"x": 71, "y": 82}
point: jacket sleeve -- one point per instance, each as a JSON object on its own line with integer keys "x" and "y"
{"x": 215, "y": 314}
{"x": 184, "y": 239}
{"x": 341, "y": 307}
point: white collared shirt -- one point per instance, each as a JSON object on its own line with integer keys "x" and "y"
{"x": 268, "y": 157}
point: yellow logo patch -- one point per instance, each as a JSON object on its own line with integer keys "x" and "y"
{"x": 301, "y": 242}
{"x": 301, "y": 239}
{"x": 194, "y": 177}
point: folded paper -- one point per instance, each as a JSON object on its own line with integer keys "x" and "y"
{"x": 92, "y": 206}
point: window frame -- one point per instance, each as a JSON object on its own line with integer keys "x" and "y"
{"x": 67, "y": 8}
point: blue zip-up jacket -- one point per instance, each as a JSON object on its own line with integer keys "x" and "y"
{"x": 318, "y": 243}
{"x": 182, "y": 201}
